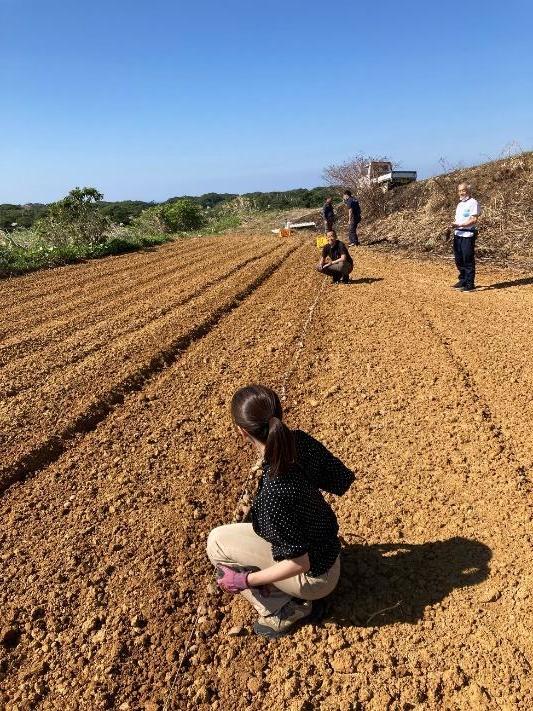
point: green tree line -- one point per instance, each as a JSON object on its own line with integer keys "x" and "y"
{"x": 124, "y": 211}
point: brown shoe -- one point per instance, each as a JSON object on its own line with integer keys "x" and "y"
{"x": 284, "y": 621}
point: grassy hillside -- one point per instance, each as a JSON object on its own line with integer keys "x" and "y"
{"x": 417, "y": 217}
{"x": 420, "y": 214}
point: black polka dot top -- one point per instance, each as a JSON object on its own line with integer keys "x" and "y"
{"x": 290, "y": 512}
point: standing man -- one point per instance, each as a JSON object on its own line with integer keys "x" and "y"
{"x": 464, "y": 239}
{"x": 335, "y": 261}
{"x": 329, "y": 214}
{"x": 354, "y": 217}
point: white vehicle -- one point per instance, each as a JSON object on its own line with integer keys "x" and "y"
{"x": 381, "y": 173}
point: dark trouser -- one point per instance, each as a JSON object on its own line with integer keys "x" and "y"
{"x": 328, "y": 224}
{"x": 463, "y": 250}
{"x": 352, "y": 234}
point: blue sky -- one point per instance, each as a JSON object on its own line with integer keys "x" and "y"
{"x": 145, "y": 100}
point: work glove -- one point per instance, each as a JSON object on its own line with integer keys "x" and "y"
{"x": 231, "y": 580}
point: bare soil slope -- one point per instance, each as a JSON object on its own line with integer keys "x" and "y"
{"x": 118, "y": 457}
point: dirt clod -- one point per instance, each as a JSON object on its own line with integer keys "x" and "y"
{"x": 138, "y": 622}
{"x": 235, "y": 631}
{"x": 254, "y": 685}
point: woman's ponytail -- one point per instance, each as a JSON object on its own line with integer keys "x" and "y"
{"x": 257, "y": 410}
{"x": 279, "y": 447}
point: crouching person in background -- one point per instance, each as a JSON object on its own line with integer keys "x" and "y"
{"x": 288, "y": 555}
{"x": 336, "y": 261}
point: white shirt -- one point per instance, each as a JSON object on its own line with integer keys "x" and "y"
{"x": 463, "y": 212}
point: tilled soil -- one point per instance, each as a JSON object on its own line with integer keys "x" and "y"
{"x": 118, "y": 457}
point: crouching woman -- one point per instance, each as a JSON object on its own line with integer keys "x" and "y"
{"x": 288, "y": 555}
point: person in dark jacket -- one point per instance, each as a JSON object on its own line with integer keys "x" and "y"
{"x": 329, "y": 214}
{"x": 354, "y": 217}
{"x": 291, "y": 548}
{"x": 336, "y": 261}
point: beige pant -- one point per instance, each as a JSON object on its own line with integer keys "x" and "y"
{"x": 238, "y": 545}
{"x": 339, "y": 269}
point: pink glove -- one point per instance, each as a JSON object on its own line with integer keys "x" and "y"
{"x": 231, "y": 580}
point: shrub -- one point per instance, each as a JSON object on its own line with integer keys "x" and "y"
{"x": 182, "y": 215}
{"x": 149, "y": 222}
{"x": 74, "y": 220}
{"x": 220, "y": 221}
{"x": 66, "y": 236}
{"x": 30, "y": 252}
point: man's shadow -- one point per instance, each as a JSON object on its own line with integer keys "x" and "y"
{"x": 507, "y": 284}
{"x": 380, "y": 240}
{"x": 394, "y": 582}
{"x": 365, "y": 280}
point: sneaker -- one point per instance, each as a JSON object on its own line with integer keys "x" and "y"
{"x": 468, "y": 288}
{"x": 459, "y": 285}
{"x": 287, "y": 618}
{"x": 345, "y": 280}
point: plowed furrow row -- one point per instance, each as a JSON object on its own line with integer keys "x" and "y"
{"x": 25, "y": 373}
{"x": 27, "y": 330}
{"x": 47, "y": 284}
{"x": 485, "y": 417}
{"x": 36, "y": 427}
{"x": 155, "y": 300}
{"x": 477, "y": 332}
{"x": 502, "y": 377}
{"x": 17, "y": 324}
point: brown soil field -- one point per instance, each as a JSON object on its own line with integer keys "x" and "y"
{"x": 118, "y": 456}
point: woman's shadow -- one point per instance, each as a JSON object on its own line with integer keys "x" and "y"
{"x": 393, "y": 582}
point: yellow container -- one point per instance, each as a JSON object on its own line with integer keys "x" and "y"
{"x": 321, "y": 240}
